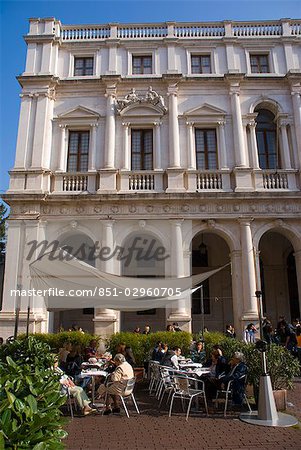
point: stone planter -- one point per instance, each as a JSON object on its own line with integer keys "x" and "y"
{"x": 280, "y": 397}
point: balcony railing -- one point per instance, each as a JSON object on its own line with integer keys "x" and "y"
{"x": 180, "y": 30}
{"x": 144, "y": 181}
{"x": 74, "y": 182}
{"x": 209, "y": 181}
{"x": 275, "y": 180}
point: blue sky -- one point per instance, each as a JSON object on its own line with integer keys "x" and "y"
{"x": 14, "y": 24}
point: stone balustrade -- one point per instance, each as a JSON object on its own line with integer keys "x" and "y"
{"x": 275, "y": 180}
{"x": 264, "y": 29}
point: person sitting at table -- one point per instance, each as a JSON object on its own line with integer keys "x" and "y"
{"x": 74, "y": 361}
{"x": 217, "y": 367}
{"x": 63, "y": 353}
{"x": 237, "y": 375}
{"x": 170, "y": 358}
{"x": 76, "y": 391}
{"x": 158, "y": 352}
{"x": 91, "y": 351}
{"x": 116, "y": 383}
{"x": 198, "y": 354}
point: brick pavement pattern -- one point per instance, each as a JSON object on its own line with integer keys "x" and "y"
{"x": 153, "y": 429}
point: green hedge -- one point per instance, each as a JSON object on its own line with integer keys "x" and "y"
{"x": 142, "y": 344}
{"x": 29, "y": 397}
{"x": 56, "y": 341}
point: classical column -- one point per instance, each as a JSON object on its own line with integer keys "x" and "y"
{"x": 23, "y": 131}
{"x": 285, "y": 149}
{"x": 110, "y": 130}
{"x": 157, "y": 152}
{"x": 296, "y": 99}
{"x": 46, "y": 65}
{"x": 237, "y": 291}
{"x": 103, "y": 314}
{"x": 126, "y": 153}
{"x": 62, "y": 167}
{"x": 178, "y": 311}
{"x": 92, "y": 153}
{"x": 253, "y": 144}
{"x": 222, "y": 150}
{"x": 174, "y": 141}
{"x": 191, "y": 147}
{"x": 248, "y": 269}
{"x": 13, "y": 264}
{"x": 239, "y": 141}
{"x": 297, "y": 256}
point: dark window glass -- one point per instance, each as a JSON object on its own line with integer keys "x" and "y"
{"x": 83, "y": 66}
{"x": 266, "y": 133}
{"x": 206, "y": 149}
{"x": 78, "y": 151}
{"x": 142, "y": 149}
{"x": 200, "y": 64}
{"x": 259, "y": 63}
{"x": 142, "y": 64}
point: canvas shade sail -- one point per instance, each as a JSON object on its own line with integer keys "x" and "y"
{"x": 71, "y": 283}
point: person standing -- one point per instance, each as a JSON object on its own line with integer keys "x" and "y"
{"x": 249, "y": 334}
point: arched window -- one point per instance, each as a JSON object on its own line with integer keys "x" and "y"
{"x": 266, "y": 134}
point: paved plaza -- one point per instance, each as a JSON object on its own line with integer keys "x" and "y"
{"x": 153, "y": 429}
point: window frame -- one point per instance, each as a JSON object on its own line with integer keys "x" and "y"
{"x": 206, "y": 152}
{"x": 266, "y": 153}
{"x": 258, "y": 56}
{"x": 78, "y": 153}
{"x": 251, "y": 50}
{"x": 142, "y": 56}
{"x": 144, "y": 130}
{"x": 79, "y": 55}
{"x": 200, "y": 56}
{"x": 203, "y": 51}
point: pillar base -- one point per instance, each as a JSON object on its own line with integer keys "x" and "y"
{"x": 243, "y": 179}
{"x": 175, "y": 180}
{"x": 105, "y": 325}
{"x": 37, "y": 323}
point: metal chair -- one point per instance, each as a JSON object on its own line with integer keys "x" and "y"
{"x": 126, "y": 394}
{"x": 166, "y": 384}
{"x": 184, "y": 391}
{"x": 154, "y": 376}
{"x": 228, "y": 391}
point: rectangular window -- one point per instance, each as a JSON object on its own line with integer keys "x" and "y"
{"x": 142, "y": 65}
{"x": 200, "y": 64}
{"x": 78, "y": 151}
{"x": 142, "y": 149}
{"x": 83, "y": 66}
{"x": 206, "y": 149}
{"x": 259, "y": 63}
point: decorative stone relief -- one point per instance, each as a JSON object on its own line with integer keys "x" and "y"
{"x": 97, "y": 209}
{"x": 132, "y": 98}
{"x": 115, "y": 209}
{"x": 132, "y": 209}
{"x": 149, "y": 208}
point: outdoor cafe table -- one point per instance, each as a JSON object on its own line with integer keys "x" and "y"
{"x": 93, "y": 373}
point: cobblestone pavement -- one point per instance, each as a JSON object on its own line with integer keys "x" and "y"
{"x": 153, "y": 429}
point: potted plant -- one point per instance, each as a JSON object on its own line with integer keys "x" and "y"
{"x": 282, "y": 368}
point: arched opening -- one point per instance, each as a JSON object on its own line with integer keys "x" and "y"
{"x": 278, "y": 277}
{"x": 267, "y": 139}
{"x": 144, "y": 264}
{"x": 81, "y": 246}
{"x": 209, "y": 251}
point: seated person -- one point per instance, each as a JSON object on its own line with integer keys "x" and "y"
{"x": 198, "y": 354}
{"x": 237, "y": 375}
{"x": 63, "y": 353}
{"x": 74, "y": 361}
{"x": 117, "y": 381}
{"x": 129, "y": 356}
{"x": 76, "y": 391}
{"x": 158, "y": 352}
{"x": 170, "y": 358}
{"x": 217, "y": 366}
{"x": 91, "y": 351}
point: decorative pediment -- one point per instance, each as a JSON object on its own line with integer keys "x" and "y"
{"x": 205, "y": 110}
{"x": 146, "y": 104}
{"x": 80, "y": 112}
{"x": 141, "y": 109}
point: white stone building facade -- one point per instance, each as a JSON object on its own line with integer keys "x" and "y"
{"x": 189, "y": 133}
